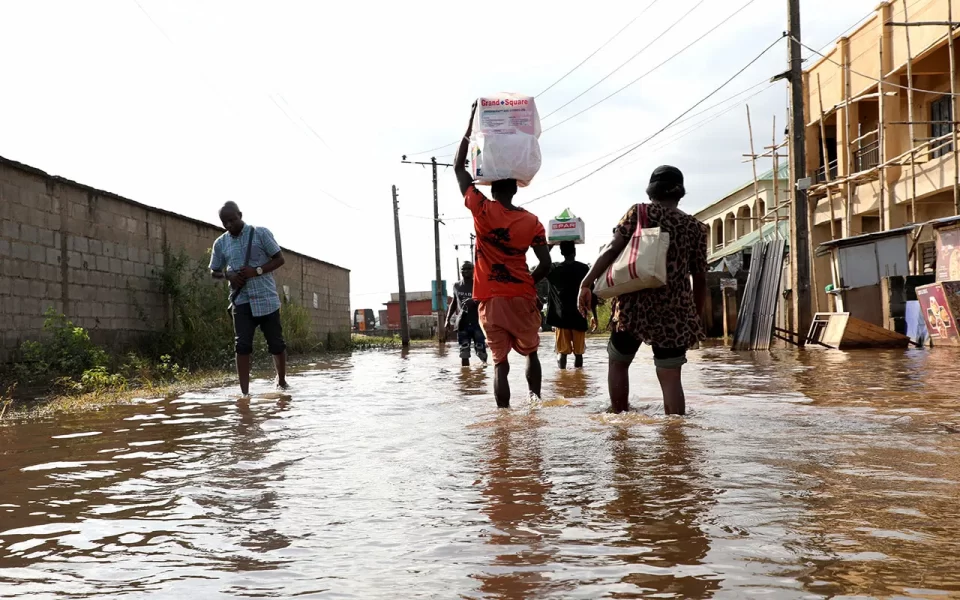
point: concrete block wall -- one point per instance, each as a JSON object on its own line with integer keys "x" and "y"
{"x": 93, "y": 256}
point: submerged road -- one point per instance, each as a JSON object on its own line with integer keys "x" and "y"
{"x": 386, "y": 475}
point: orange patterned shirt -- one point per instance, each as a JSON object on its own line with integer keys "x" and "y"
{"x": 503, "y": 237}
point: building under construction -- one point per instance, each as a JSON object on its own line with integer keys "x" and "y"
{"x": 881, "y": 139}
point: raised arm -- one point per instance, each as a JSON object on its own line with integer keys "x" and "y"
{"x": 460, "y": 162}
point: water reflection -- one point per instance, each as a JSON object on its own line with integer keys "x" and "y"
{"x": 660, "y": 499}
{"x": 389, "y": 475}
{"x": 514, "y": 491}
{"x": 571, "y": 384}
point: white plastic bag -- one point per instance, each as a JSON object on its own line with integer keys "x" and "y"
{"x": 504, "y": 143}
{"x": 641, "y": 266}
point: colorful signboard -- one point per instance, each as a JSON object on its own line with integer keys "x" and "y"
{"x": 948, "y": 254}
{"x": 935, "y": 308}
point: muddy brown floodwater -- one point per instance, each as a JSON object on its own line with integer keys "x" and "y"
{"x": 797, "y": 475}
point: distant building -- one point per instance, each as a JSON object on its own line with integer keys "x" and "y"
{"x": 861, "y": 134}
{"x": 419, "y": 305}
{"x": 733, "y": 219}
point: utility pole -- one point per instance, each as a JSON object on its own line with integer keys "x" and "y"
{"x": 404, "y": 326}
{"x": 800, "y": 231}
{"x": 441, "y": 328}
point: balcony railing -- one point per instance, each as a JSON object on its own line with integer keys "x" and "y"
{"x": 867, "y": 156}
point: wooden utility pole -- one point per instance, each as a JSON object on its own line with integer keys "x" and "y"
{"x": 438, "y": 295}
{"x": 404, "y": 326}
{"x": 441, "y": 320}
{"x": 800, "y": 234}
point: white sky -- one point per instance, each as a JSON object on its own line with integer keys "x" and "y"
{"x": 178, "y": 109}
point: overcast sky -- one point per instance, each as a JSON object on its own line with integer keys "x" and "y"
{"x": 300, "y": 111}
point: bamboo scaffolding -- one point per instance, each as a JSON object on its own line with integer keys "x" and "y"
{"x": 848, "y": 204}
{"x": 913, "y": 137}
{"x": 899, "y": 160}
{"x": 826, "y": 164}
{"x": 756, "y": 182}
{"x": 953, "y": 108}
{"x": 776, "y": 182}
{"x": 881, "y": 140}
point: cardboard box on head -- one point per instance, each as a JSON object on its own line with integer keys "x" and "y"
{"x": 504, "y": 143}
{"x": 566, "y": 227}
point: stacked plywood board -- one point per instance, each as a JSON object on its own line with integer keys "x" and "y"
{"x": 843, "y": 332}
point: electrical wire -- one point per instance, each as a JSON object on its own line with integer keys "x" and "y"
{"x": 669, "y": 59}
{"x": 594, "y": 53}
{"x": 868, "y": 77}
{"x": 274, "y": 101}
{"x": 628, "y": 61}
{"x": 696, "y": 126}
{"x": 684, "y": 120}
{"x": 661, "y": 130}
{"x": 869, "y": 48}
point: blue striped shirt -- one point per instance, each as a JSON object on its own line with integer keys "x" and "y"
{"x": 229, "y": 252}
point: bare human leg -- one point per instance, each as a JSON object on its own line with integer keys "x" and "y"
{"x": 618, "y": 383}
{"x": 562, "y": 361}
{"x": 280, "y": 362}
{"x": 577, "y": 361}
{"x": 674, "y": 401}
{"x": 243, "y": 372}
{"x": 501, "y": 384}
{"x": 534, "y": 374}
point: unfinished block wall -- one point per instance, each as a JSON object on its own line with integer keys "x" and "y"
{"x": 92, "y": 256}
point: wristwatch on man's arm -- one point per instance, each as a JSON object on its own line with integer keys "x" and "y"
{"x": 259, "y": 271}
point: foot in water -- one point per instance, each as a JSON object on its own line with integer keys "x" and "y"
{"x": 282, "y": 385}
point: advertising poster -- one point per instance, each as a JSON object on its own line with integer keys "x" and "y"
{"x": 948, "y": 254}
{"x": 935, "y": 309}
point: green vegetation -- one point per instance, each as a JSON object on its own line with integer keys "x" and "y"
{"x": 195, "y": 345}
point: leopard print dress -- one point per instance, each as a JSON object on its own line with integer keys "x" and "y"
{"x": 665, "y": 317}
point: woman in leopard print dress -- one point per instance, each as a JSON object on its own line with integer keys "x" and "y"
{"x": 666, "y": 318}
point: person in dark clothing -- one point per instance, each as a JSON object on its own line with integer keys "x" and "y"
{"x": 463, "y": 309}
{"x": 570, "y": 327}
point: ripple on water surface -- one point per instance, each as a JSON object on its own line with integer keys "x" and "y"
{"x": 390, "y": 475}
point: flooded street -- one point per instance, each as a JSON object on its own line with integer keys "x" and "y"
{"x": 797, "y": 475}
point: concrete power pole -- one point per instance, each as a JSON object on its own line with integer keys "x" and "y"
{"x": 800, "y": 230}
{"x": 404, "y": 326}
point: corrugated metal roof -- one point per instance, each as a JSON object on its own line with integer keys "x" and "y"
{"x": 752, "y": 238}
{"x": 866, "y": 237}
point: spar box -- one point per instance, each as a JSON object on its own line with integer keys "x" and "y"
{"x": 566, "y": 227}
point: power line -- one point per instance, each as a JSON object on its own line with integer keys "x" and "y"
{"x": 871, "y": 78}
{"x": 272, "y": 99}
{"x": 675, "y": 55}
{"x": 302, "y": 120}
{"x": 605, "y": 44}
{"x": 690, "y": 117}
{"x": 696, "y": 126}
{"x": 664, "y": 128}
{"x": 628, "y": 61}
{"x": 869, "y": 48}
